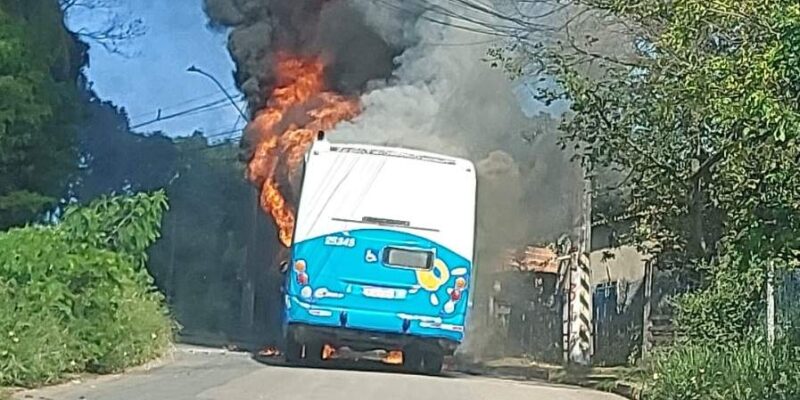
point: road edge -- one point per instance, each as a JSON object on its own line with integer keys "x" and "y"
{"x": 557, "y": 375}
{"x": 9, "y": 393}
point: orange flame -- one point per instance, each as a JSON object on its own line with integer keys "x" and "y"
{"x": 297, "y": 108}
{"x": 393, "y": 357}
{"x": 270, "y": 351}
{"x": 328, "y": 351}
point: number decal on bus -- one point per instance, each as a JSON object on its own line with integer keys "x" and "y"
{"x": 340, "y": 241}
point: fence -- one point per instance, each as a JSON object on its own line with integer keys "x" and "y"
{"x": 621, "y": 310}
{"x": 787, "y": 303}
{"x": 525, "y": 311}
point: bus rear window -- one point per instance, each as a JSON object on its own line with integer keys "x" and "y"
{"x": 408, "y": 258}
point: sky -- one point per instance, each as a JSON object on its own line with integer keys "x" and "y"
{"x": 153, "y": 74}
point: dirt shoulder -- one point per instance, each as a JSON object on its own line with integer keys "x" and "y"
{"x": 622, "y": 381}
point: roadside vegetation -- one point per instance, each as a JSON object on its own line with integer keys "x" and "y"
{"x": 76, "y": 297}
{"x": 749, "y": 370}
{"x": 703, "y": 125}
{"x": 692, "y": 140}
{"x": 75, "y": 294}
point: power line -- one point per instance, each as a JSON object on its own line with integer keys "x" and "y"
{"x": 222, "y": 133}
{"x": 437, "y": 21}
{"x": 216, "y": 81}
{"x": 211, "y": 108}
{"x": 194, "y": 110}
{"x": 179, "y": 104}
{"x": 460, "y": 44}
{"x": 217, "y": 128}
{"x": 511, "y": 26}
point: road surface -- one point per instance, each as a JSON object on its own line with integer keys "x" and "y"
{"x": 202, "y": 374}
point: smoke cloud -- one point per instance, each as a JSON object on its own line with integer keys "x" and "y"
{"x": 422, "y": 85}
{"x": 354, "y": 51}
{"x": 443, "y": 98}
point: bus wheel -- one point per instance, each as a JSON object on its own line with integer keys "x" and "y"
{"x": 313, "y": 352}
{"x": 412, "y": 359}
{"x": 294, "y": 350}
{"x": 432, "y": 362}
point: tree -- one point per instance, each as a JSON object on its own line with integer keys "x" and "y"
{"x": 215, "y": 237}
{"x": 103, "y": 23}
{"x": 39, "y": 65}
{"x": 113, "y": 158}
{"x": 704, "y": 126}
{"x": 216, "y": 243}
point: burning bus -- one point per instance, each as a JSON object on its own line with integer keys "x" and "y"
{"x": 381, "y": 255}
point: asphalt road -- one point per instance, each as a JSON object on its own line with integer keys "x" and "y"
{"x": 201, "y": 374}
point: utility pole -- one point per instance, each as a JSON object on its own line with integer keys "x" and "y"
{"x": 171, "y": 281}
{"x": 578, "y": 311}
{"x": 647, "y": 310}
{"x": 586, "y": 245}
{"x": 248, "y": 289}
{"x": 585, "y": 281}
{"x": 771, "y": 304}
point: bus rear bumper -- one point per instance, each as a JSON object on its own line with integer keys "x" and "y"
{"x": 363, "y": 329}
{"x": 362, "y": 340}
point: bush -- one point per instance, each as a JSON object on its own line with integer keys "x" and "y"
{"x": 728, "y": 310}
{"x": 746, "y": 371}
{"x": 76, "y": 296}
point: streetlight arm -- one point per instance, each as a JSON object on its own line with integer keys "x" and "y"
{"x": 222, "y": 88}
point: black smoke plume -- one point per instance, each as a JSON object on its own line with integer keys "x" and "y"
{"x": 354, "y": 52}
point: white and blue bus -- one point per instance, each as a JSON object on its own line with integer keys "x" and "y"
{"x": 382, "y": 255}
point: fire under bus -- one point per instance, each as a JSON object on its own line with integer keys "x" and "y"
{"x": 382, "y": 256}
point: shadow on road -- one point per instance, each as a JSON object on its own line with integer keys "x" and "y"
{"x": 361, "y": 365}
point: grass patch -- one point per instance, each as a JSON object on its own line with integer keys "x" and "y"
{"x": 626, "y": 381}
{"x": 76, "y": 297}
{"x": 748, "y": 370}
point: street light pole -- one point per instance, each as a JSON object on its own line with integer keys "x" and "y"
{"x": 248, "y": 293}
{"x": 222, "y": 88}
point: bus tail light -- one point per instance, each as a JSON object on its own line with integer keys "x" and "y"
{"x": 461, "y": 283}
{"x": 302, "y": 276}
{"x": 455, "y": 293}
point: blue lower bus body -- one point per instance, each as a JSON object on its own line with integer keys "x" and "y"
{"x": 340, "y": 291}
{"x": 365, "y": 330}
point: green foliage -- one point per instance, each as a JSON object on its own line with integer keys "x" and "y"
{"x": 746, "y": 371}
{"x": 20, "y": 205}
{"x": 74, "y": 297}
{"x": 728, "y": 310}
{"x": 705, "y": 127}
{"x": 123, "y": 224}
{"x": 39, "y": 65}
{"x": 215, "y": 225}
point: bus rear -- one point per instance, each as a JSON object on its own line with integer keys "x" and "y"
{"x": 382, "y": 257}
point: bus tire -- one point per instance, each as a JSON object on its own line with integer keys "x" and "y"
{"x": 313, "y": 352}
{"x": 294, "y": 350}
{"x": 432, "y": 362}
{"x": 412, "y": 359}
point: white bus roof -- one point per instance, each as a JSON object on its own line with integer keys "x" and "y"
{"x": 345, "y": 185}
{"x": 324, "y": 145}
